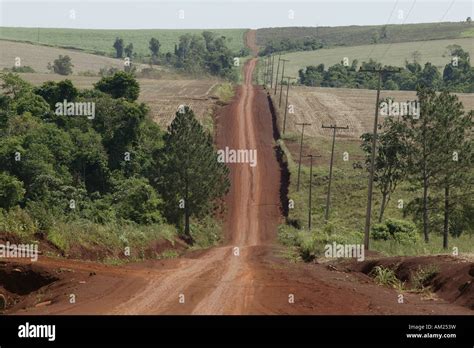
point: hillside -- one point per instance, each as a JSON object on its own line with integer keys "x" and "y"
{"x": 101, "y": 41}
{"x": 361, "y": 35}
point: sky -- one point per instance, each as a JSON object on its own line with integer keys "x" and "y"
{"x": 187, "y": 14}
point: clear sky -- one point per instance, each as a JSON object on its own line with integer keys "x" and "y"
{"x": 157, "y": 14}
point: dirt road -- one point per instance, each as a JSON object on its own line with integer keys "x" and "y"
{"x": 245, "y": 275}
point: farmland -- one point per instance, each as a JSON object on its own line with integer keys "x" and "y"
{"x": 344, "y": 106}
{"x": 389, "y": 54}
{"x": 101, "y": 41}
{"x": 361, "y": 35}
{"x": 38, "y": 57}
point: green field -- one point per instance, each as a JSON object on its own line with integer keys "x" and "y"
{"x": 101, "y": 41}
{"x": 356, "y": 35}
{"x": 390, "y": 54}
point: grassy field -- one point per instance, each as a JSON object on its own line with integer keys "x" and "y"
{"x": 390, "y": 54}
{"x": 360, "y": 35}
{"x": 101, "y": 41}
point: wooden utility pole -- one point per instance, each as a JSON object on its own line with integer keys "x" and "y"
{"x": 267, "y": 71}
{"x": 286, "y": 106}
{"x": 264, "y": 71}
{"x": 281, "y": 82}
{"x": 328, "y": 197}
{"x": 368, "y": 212}
{"x": 310, "y": 186}
{"x": 301, "y": 152}
{"x": 271, "y": 76}
{"x": 276, "y": 77}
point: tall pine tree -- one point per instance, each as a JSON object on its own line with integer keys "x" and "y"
{"x": 192, "y": 178}
{"x": 455, "y": 154}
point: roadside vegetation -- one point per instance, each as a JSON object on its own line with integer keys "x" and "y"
{"x": 409, "y": 223}
{"x": 105, "y": 181}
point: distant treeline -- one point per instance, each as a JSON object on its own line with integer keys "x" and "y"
{"x": 285, "y": 45}
{"x": 457, "y": 76}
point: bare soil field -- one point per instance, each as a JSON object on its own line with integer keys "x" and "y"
{"x": 344, "y": 106}
{"x": 162, "y": 96}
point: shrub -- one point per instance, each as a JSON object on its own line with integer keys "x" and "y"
{"x": 18, "y": 222}
{"x": 62, "y": 65}
{"x": 398, "y": 230}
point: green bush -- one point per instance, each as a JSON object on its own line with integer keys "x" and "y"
{"x": 398, "y": 230}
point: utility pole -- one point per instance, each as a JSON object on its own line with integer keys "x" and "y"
{"x": 301, "y": 151}
{"x": 267, "y": 69}
{"x": 278, "y": 70}
{"x": 281, "y": 82}
{"x": 286, "y": 107}
{"x": 368, "y": 213}
{"x": 271, "y": 76}
{"x": 328, "y": 197}
{"x": 310, "y": 185}
{"x": 264, "y": 71}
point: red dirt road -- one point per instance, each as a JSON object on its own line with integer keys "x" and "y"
{"x": 245, "y": 275}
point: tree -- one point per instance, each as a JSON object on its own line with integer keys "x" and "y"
{"x": 11, "y": 191}
{"x": 154, "y": 46}
{"x": 422, "y": 154}
{"x": 455, "y": 153}
{"x": 390, "y": 164}
{"x": 192, "y": 177}
{"x": 120, "y": 85}
{"x": 62, "y": 65}
{"x": 54, "y": 92}
{"x": 129, "y": 50}
{"x": 118, "y": 45}
{"x": 375, "y": 37}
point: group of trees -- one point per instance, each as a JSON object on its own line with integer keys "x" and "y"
{"x": 458, "y": 75}
{"x": 193, "y": 54}
{"x": 434, "y": 154}
{"x": 120, "y": 48}
{"x": 116, "y": 166}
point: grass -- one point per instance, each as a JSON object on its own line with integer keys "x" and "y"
{"x": 386, "y": 277}
{"x": 389, "y": 54}
{"x": 100, "y": 41}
